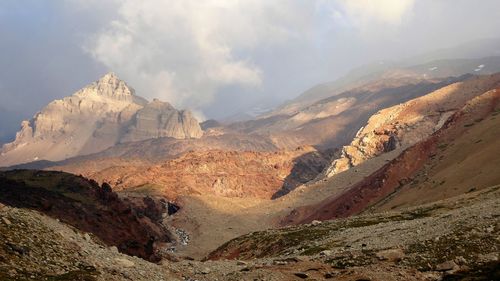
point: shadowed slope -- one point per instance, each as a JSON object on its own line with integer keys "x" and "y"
{"x": 134, "y": 229}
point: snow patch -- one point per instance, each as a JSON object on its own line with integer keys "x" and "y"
{"x": 479, "y": 67}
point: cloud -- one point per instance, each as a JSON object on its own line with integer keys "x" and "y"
{"x": 185, "y": 51}
{"x": 362, "y": 13}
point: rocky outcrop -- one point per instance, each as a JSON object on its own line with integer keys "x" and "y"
{"x": 96, "y": 117}
{"x": 405, "y": 124}
{"x": 160, "y": 119}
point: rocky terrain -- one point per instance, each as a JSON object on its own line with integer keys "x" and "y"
{"x": 37, "y": 247}
{"x": 160, "y": 119}
{"x": 409, "y": 172}
{"x": 450, "y": 239}
{"x": 156, "y": 150}
{"x": 454, "y": 239}
{"x": 96, "y": 117}
{"x": 227, "y": 165}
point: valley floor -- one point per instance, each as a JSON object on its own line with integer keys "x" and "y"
{"x": 445, "y": 240}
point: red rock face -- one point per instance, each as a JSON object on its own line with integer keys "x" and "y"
{"x": 223, "y": 173}
{"x": 133, "y": 227}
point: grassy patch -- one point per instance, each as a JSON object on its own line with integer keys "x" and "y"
{"x": 351, "y": 260}
{"x": 462, "y": 242}
{"x": 145, "y": 189}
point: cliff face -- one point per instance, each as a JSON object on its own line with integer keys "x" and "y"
{"x": 96, "y": 117}
{"x": 160, "y": 119}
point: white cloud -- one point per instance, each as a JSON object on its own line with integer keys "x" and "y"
{"x": 365, "y": 12}
{"x": 184, "y": 51}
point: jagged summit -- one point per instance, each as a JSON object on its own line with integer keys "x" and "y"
{"x": 110, "y": 76}
{"x": 111, "y": 86}
{"x": 111, "y": 80}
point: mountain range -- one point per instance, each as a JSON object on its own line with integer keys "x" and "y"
{"x": 389, "y": 173}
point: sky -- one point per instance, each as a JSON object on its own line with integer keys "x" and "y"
{"x": 215, "y": 57}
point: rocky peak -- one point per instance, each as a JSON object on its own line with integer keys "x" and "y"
{"x": 112, "y": 80}
{"x": 111, "y": 86}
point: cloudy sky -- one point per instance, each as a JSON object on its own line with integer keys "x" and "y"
{"x": 217, "y": 57}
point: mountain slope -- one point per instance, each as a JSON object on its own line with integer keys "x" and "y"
{"x": 407, "y": 123}
{"x": 135, "y": 229}
{"x": 333, "y": 122}
{"x": 452, "y": 239}
{"x": 34, "y": 246}
{"x": 405, "y": 180}
{"x": 218, "y": 172}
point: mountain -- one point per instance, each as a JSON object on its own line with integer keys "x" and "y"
{"x": 160, "y": 119}
{"x": 96, "y": 117}
{"x": 430, "y": 65}
{"x": 459, "y": 157}
{"x": 411, "y": 171}
{"x": 407, "y": 123}
{"x": 334, "y": 121}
